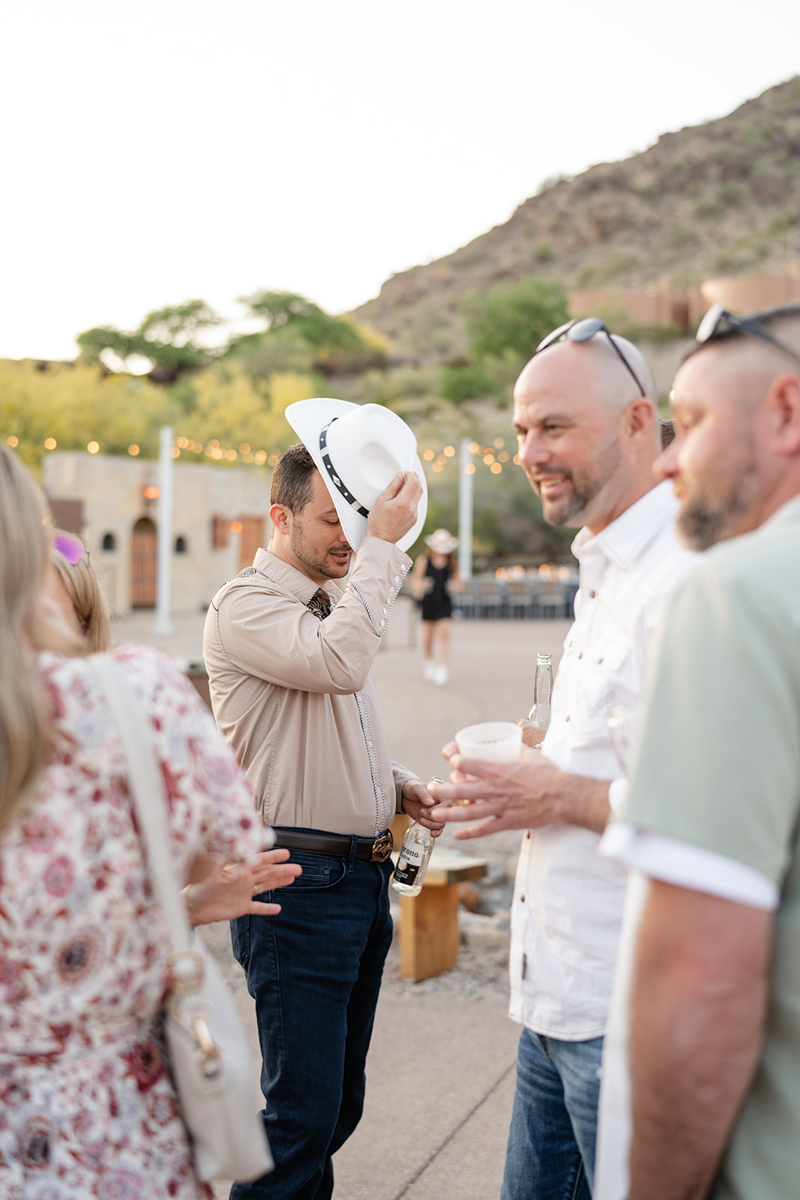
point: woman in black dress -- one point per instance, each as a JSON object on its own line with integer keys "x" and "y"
{"x": 434, "y": 578}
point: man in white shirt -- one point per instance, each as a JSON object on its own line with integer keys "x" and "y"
{"x": 585, "y": 417}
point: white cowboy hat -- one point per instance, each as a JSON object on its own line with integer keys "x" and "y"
{"x": 441, "y": 541}
{"x": 358, "y": 450}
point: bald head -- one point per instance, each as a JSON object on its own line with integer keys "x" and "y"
{"x": 588, "y": 438}
{"x": 745, "y": 364}
{"x": 596, "y": 368}
{"x": 736, "y": 457}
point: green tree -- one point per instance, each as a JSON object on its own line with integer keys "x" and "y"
{"x": 320, "y": 330}
{"x": 71, "y": 407}
{"x": 336, "y": 345}
{"x": 514, "y": 317}
{"x": 169, "y": 339}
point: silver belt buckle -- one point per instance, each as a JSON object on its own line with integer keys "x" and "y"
{"x": 382, "y": 847}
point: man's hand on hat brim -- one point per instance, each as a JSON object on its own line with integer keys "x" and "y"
{"x": 395, "y": 510}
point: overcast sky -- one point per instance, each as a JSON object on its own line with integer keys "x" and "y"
{"x": 163, "y": 150}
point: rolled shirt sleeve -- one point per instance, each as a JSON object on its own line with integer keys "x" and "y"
{"x": 718, "y": 762}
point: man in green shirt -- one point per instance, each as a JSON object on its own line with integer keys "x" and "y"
{"x": 710, "y": 826}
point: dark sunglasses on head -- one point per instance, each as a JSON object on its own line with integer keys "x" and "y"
{"x": 583, "y": 331}
{"x": 69, "y": 546}
{"x": 719, "y": 324}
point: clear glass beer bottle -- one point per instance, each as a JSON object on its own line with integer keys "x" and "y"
{"x": 413, "y": 859}
{"x": 542, "y": 692}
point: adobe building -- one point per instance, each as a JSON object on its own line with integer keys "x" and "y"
{"x": 744, "y": 293}
{"x": 659, "y": 304}
{"x": 220, "y": 518}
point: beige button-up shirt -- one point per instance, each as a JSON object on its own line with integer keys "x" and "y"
{"x": 293, "y": 695}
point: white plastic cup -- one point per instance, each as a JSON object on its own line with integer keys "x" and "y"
{"x": 500, "y": 741}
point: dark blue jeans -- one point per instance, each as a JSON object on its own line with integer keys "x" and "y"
{"x": 314, "y": 972}
{"x": 551, "y": 1142}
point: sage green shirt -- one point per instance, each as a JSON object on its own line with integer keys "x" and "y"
{"x": 719, "y": 768}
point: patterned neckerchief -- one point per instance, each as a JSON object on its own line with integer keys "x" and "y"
{"x": 320, "y": 604}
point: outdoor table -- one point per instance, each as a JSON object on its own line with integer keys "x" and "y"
{"x": 429, "y": 931}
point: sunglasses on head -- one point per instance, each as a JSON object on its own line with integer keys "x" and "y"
{"x": 583, "y": 331}
{"x": 719, "y": 324}
{"x": 69, "y": 546}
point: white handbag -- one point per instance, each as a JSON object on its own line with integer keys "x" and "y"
{"x": 212, "y": 1065}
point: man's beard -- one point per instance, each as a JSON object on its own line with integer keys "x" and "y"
{"x": 316, "y": 564}
{"x": 703, "y": 521}
{"x": 569, "y": 509}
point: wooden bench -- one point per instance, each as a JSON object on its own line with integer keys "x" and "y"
{"x": 429, "y": 932}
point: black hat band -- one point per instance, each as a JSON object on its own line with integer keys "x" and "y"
{"x": 334, "y": 478}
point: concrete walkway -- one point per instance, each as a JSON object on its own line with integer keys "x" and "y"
{"x": 440, "y": 1075}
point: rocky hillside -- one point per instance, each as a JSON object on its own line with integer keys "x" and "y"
{"x": 716, "y": 199}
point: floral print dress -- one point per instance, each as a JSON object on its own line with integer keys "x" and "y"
{"x": 87, "y": 1106}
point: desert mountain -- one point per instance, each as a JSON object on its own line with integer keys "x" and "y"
{"x": 721, "y": 198}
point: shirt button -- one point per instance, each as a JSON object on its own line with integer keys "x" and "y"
{"x": 566, "y": 718}
{"x": 522, "y": 899}
{"x": 599, "y": 661}
{"x": 383, "y": 622}
{"x": 593, "y": 594}
{"x": 384, "y": 611}
{"x": 580, "y": 654}
{"x": 527, "y": 833}
{"x": 397, "y": 578}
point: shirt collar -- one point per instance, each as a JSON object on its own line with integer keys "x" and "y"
{"x": 625, "y": 538}
{"x": 788, "y": 513}
{"x": 290, "y": 578}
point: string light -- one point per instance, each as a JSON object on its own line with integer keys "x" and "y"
{"x": 493, "y": 456}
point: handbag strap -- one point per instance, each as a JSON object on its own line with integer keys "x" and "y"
{"x": 146, "y": 783}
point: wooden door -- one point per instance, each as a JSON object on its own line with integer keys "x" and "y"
{"x": 143, "y": 565}
{"x": 251, "y": 538}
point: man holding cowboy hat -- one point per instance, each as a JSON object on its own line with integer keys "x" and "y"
{"x": 289, "y": 656}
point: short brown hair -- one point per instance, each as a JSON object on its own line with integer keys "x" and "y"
{"x": 292, "y": 479}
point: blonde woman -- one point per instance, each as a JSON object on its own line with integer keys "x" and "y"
{"x": 76, "y": 588}
{"x": 88, "y": 1108}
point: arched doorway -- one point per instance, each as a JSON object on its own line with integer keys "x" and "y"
{"x": 143, "y": 564}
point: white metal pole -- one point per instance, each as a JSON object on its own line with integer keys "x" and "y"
{"x": 164, "y": 573}
{"x": 465, "y": 503}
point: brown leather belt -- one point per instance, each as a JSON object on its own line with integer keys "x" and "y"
{"x": 375, "y": 849}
